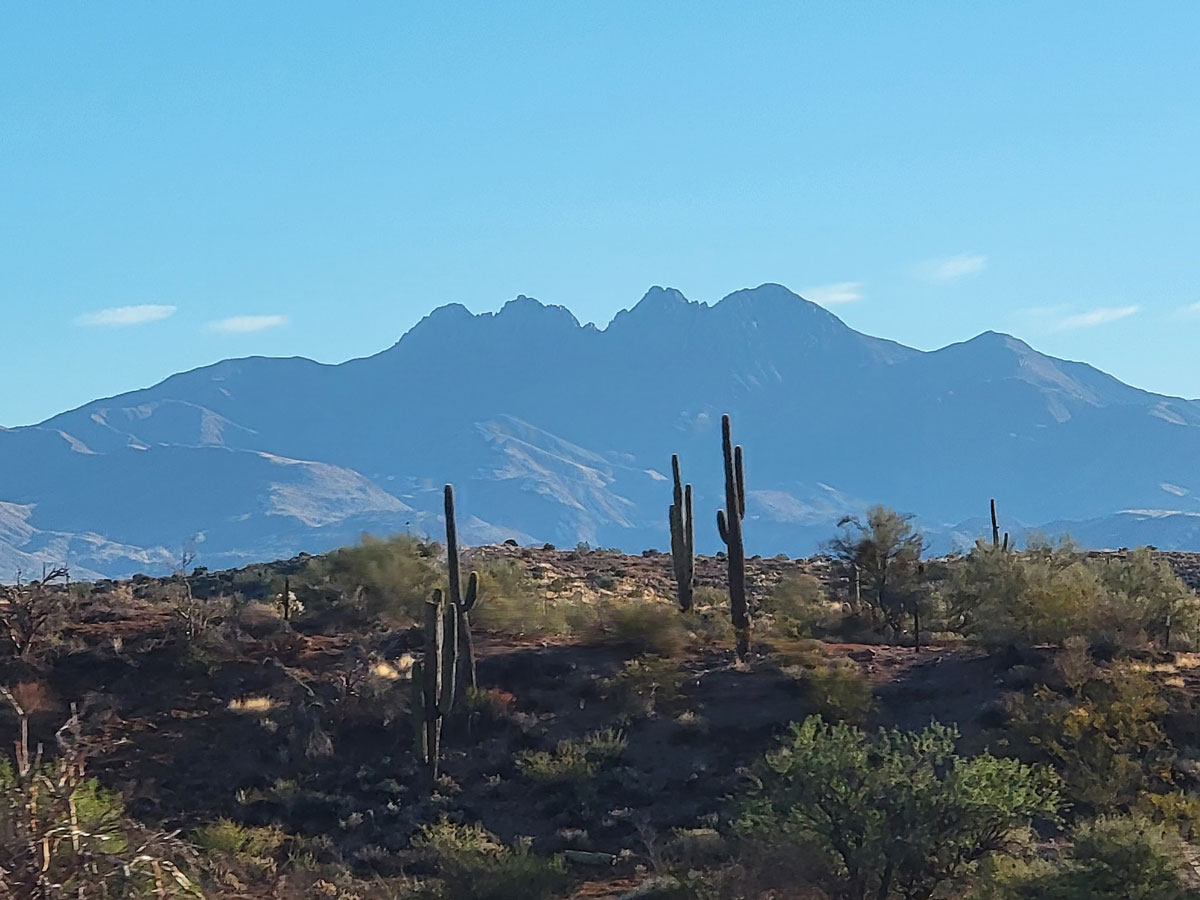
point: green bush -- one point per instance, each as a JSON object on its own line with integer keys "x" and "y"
{"x": 473, "y": 864}
{"x": 388, "y": 577}
{"x": 574, "y": 761}
{"x": 1121, "y": 858}
{"x": 1101, "y": 732}
{"x": 892, "y": 811}
{"x": 799, "y": 607}
{"x": 1048, "y": 594}
{"x": 639, "y": 628}
{"x": 509, "y": 603}
{"x": 839, "y": 692}
{"x": 239, "y": 841}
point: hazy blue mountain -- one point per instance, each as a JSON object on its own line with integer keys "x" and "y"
{"x": 562, "y": 432}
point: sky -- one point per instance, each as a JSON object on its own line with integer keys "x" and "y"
{"x": 183, "y": 183}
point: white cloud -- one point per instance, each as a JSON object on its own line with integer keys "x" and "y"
{"x": 948, "y": 269}
{"x": 1100, "y": 316}
{"x": 1191, "y": 311}
{"x": 119, "y": 316}
{"x": 833, "y": 294}
{"x": 247, "y": 324}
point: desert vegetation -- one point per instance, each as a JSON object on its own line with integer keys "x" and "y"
{"x": 409, "y": 719}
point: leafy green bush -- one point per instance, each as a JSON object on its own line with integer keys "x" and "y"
{"x": 892, "y": 811}
{"x": 1122, "y": 858}
{"x": 473, "y": 863}
{"x": 574, "y": 761}
{"x": 1048, "y": 594}
{"x": 1101, "y": 732}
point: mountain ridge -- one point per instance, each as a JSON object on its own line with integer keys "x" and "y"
{"x": 556, "y": 430}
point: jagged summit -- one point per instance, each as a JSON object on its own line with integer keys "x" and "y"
{"x": 555, "y": 431}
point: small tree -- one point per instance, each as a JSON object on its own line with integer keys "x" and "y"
{"x": 33, "y": 615}
{"x": 885, "y": 553}
{"x": 895, "y": 813}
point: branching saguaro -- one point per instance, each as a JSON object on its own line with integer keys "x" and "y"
{"x": 683, "y": 558}
{"x": 448, "y": 665}
{"x": 729, "y": 524}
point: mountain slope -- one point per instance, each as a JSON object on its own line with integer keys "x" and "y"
{"x": 559, "y": 431}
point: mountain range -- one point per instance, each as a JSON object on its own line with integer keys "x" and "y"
{"x": 559, "y": 432}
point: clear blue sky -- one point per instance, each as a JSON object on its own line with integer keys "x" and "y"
{"x": 310, "y": 179}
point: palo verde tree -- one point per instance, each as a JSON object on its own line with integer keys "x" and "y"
{"x": 885, "y": 553}
{"x": 683, "y": 558}
{"x": 729, "y": 524}
{"x": 896, "y": 813}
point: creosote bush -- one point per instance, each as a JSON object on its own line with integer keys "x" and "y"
{"x": 1113, "y": 858}
{"x": 574, "y": 761}
{"x": 473, "y": 863}
{"x": 386, "y": 577}
{"x": 642, "y": 627}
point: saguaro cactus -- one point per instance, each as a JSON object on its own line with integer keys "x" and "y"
{"x": 434, "y": 682}
{"x": 729, "y": 524}
{"x": 996, "y": 530}
{"x": 683, "y": 559}
{"x": 461, "y": 604}
{"x": 448, "y": 665}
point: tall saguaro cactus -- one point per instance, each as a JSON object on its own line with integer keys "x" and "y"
{"x": 460, "y": 603}
{"x": 683, "y": 559}
{"x": 729, "y": 524}
{"x": 434, "y": 681}
{"x": 996, "y": 530}
{"x": 449, "y": 661}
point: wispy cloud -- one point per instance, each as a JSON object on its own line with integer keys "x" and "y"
{"x": 1191, "y": 311}
{"x": 119, "y": 316}
{"x": 948, "y": 269}
{"x": 833, "y": 294}
{"x": 247, "y": 324}
{"x": 1093, "y": 317}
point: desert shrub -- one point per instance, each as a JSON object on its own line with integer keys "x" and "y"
{"x": 1122, "y": 858}
{"x": 510, "y": 603}
{"x": 574, "y": 761}
{"x": 388, "y": 577}
{"x": 838, "y": 692}
{"x": 893, "y": 811}
{"x": 645, "y": 685}
{"x": 655, "y": 628}
{"x": 799, "y": 607}
{"x": 1049, "y": 593}
{"x": 708, "y": 620}
{"x": 1101, "y": 731}
{"x": 474, "y": 863}
{"x": 227, "y": 837}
